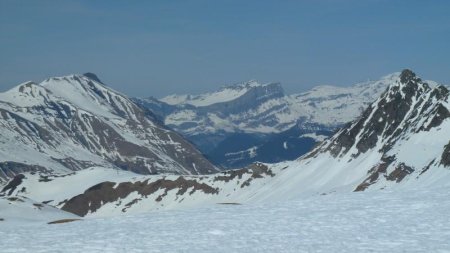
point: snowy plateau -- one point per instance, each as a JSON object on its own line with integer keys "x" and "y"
{"x": 378, "y": 184}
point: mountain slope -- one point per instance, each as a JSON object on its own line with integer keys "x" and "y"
{"x": 407, "y": 114}
{"x": 74, "y": 122}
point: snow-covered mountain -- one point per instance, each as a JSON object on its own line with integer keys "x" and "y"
{"x": 247, "y": 94}
{"x": 264, "y": 108}
{"x": 74, "y": 122}
{"x": 402, "y": 140}
{"x": 230, "y": 125}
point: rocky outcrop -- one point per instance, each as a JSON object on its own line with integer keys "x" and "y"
{"x": 12, "y": 185}
{"x": 109, "y": 192}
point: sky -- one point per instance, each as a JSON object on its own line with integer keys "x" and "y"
{"x": 156, "y": 48}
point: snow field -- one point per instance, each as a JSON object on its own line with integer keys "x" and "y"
{"x": 380, "y": 221}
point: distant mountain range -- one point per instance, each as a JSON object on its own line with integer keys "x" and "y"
{"x": 401, "y": 140}
{"x": 70, "y": 123}
{"x": 248, "y": 122}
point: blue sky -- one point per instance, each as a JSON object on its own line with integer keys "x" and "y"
{"x": 155, "y": 48}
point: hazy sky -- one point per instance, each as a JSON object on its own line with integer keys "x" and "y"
{"x": 155, "y": 48}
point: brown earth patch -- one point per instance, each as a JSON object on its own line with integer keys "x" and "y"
{"x": 96, "y": 196}
{"x": 400, "y": 172}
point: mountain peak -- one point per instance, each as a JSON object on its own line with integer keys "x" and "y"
{"x": 407, "y": 76}
{"x": 93, "y": 76}
{"x": 401, "y": 107}
{"x": 408, "y": 86}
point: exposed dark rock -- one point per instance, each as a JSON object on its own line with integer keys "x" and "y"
{"x": 63, "y": 221}
{"x": 445, "y": 158}
{"x": 96, "y": 196}
{"x": 257, "y": 170}
{"x": 426, "y": 168}
{"x": 400, "y": 172}
{"x": 375, "y": 173}
{"x": 44, "y": 178}
{"x": 39, "y": 206}
{"x": 128, "y": 205}
{"x": 12, "y": 185}
{"x": 440, "y": 113}
{"x": 13, "y": 199}
{"x": 407, "y": 76}
{"x": 93, "y": 76}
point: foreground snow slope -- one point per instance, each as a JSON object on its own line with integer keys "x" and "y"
{"x": 380, "y": 221}
{"x": 20, "y": 210}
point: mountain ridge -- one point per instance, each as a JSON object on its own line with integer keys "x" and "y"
{"x": 73, "y": 122}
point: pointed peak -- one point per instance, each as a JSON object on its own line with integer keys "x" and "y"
{"x": 408, "y": 85}
{"x": 407, "y": 76}
{"x": 92, "y": 76}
